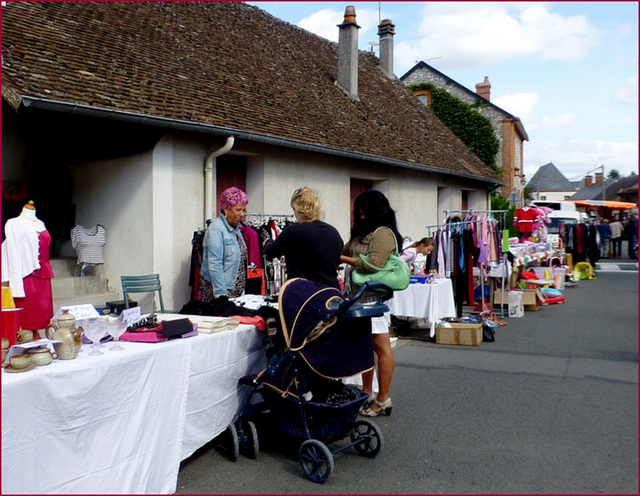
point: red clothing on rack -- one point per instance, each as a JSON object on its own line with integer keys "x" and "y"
{"x": 523, "y": 219}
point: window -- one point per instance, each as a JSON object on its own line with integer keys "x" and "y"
{"x": 424, "y": 96}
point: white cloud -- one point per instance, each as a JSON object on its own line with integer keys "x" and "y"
{"x": 627, "y": 94}
{"x": 325, "y": 23}
{"x": 482, "y": 33}
{"x": 521, "y": 104}
{"x": 574, "y": 158}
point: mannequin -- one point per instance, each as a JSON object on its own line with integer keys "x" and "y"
{"x": 26, "y": 268}
{"x": 89, "y": 245}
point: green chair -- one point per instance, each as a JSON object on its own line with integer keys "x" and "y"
{"x": 148, "y": 283}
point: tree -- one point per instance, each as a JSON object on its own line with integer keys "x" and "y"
{"x": 613, "y": 174}
{"x": 464, "y": 120}
{"x": 499, "y": 202}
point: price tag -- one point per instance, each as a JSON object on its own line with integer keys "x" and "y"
{"x": 131, "y": 315}
{"x": 80, "y": 312}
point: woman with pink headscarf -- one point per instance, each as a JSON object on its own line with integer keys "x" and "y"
{"x": 224, "y": 257}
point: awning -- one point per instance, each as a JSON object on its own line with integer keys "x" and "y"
{"x": 606, "y": 204}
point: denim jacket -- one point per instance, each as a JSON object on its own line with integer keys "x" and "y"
{"x": 221, "y": 255}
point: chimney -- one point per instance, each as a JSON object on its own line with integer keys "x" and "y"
{"x": 386, "y": 31}
{"x": 587, "y": 181}
{"x": 484, "y": 89}
{"x": 348, "y": 53}
{"x": 598, "y": 179}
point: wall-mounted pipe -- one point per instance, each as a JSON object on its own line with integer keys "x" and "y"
{"x": 209, "y": 176}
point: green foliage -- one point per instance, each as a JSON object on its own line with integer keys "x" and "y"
{"x": 500, "y": 203}
{"x": 472, "y": 128}
{"x": 613, "y": 174}
{"x": 528, "y": 193}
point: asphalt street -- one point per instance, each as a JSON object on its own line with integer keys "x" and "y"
{"x": 550, "y": 407}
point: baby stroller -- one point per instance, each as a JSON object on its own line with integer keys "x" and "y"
{"x": 326, "y": 338}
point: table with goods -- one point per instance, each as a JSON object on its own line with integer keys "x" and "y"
{"x": 118, "y": 419}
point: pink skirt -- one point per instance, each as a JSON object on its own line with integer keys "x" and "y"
{"x": 37, "y": 304}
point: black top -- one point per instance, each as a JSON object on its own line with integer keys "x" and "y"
{"x": 311, "y": 249}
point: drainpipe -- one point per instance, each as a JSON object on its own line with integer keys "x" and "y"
{"x": 209, "y": 185}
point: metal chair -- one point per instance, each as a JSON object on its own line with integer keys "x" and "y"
{"x": 148, "y": 283}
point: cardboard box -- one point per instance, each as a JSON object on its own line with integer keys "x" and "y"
{"x": 529, "y": 298}
{"x": 460, "y": 334}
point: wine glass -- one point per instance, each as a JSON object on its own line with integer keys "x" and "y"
{"x": 116, "y": 328}
{"x": 95, "y": 330}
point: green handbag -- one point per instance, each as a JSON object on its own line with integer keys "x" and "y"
{"x": 394, "y": 274}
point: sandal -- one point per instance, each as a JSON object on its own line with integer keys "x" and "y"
{"x": 385, "y": 409}
{"x": 367, "y": 404}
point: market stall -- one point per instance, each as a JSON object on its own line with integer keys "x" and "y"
{"x": 430, "y": 301}
{"x": 121, "y": 422}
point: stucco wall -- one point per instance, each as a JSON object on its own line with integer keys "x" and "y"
{"x": 151, "y": 203}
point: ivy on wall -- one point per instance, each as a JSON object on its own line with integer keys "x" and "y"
{"x": 472, "y": 128}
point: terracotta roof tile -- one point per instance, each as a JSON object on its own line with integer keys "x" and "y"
{"x": 223, "y": 64}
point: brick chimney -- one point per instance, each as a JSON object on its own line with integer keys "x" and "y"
{"x": 587, "y": 181}
{"x": 348, "y": 53}
{"x": 598, "y": 179}
{"x": 386, "y": 31}
{"x": 484, "y": 89}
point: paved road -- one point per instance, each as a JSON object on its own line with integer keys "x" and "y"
{"x": 550, "y": 408}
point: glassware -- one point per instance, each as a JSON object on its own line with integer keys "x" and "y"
{"x": 95, "y": 331}
{"x": 116, "y": 328}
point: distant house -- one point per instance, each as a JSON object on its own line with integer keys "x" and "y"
{"x": 135, "y": 115}
{"x": 508, "y": 128}
{"x": 549, "y": 184}
{"x": 624, "y": 189}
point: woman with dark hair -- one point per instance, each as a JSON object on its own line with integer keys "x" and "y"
{"x": 374, "y": 234}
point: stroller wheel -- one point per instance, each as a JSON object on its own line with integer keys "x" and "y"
{"x": 230, "y": 443}
{"x": 249, "y": 445}
{"x": 367, "y": 437}
{"x": 316, "y": 461}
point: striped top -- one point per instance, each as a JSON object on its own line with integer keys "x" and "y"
{"x": 89, "y": 243}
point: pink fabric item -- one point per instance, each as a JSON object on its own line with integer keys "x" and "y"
{"x": 143, "y": 337}
{"x": 256, "y": 321}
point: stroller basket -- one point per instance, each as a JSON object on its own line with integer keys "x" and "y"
{"x": 326, "y": 422}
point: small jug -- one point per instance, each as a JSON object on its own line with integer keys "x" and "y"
{"x": 66, "y": 332}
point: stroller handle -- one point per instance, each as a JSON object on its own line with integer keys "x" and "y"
{"x": 385, "y": 293}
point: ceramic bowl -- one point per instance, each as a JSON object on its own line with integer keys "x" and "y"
{"x": 24, "y": 336}
{"x": 41, "y": 356}
{"x": 20, "y": 361}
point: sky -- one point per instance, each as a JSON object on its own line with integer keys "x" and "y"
{"x": 568, "y": 70}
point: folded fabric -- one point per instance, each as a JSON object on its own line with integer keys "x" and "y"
{"x": 143, "y": 337}
{"x": 213, "y": 325}
{"x": 256, "y": 321}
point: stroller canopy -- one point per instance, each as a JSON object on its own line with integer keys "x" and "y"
{"x": 335, "y": 349}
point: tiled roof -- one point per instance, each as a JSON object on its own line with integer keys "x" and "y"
{"x": 224, "y": 64}
{"x": 549, "y": 178}
{"x": 423, "y": 66}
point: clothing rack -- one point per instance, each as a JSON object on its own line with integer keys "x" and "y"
{"x": 465, "y": 222}
{"x": 269, "y": 216}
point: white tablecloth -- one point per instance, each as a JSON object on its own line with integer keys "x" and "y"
{"x": 121, "y": 422}
{"x": 430, "y": 301}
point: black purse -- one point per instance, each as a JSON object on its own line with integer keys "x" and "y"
{"x": 488, "y": 333}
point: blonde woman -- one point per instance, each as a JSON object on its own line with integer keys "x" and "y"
{"x": 311, "y": 247}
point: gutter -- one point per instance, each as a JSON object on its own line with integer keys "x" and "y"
{"x": 173, "y": 124}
